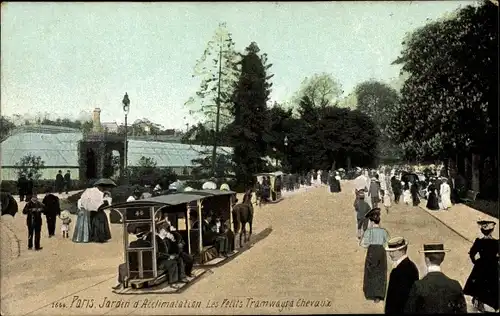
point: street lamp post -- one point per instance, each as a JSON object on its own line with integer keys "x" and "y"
{"x": 285, "y": 142}
{"x": 126, "y": 109}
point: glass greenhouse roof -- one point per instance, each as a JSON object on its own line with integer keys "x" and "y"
{"x": 60, "y": 149}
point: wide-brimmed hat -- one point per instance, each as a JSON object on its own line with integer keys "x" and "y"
{"x": 396, "y": 243}
{"x": 486, "y": 224}
{"x": 105, "y": 182}
{"x": 373, "y": 213}
{"x": 65, "y": 214}
{"x": 434, "y": 248}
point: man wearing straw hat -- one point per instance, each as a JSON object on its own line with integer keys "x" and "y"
{"x": 436, "y": 293}
{"x": 403, "y": 276}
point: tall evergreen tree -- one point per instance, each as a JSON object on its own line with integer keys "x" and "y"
{"x": 250, "y": 114}
{"x": 218, "y": 72}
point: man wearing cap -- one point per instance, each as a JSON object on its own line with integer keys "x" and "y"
{"x": 403, "y": 276}
{"x": 436, "y": 293}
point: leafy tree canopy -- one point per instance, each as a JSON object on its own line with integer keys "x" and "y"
{"x": 450, "y": 99}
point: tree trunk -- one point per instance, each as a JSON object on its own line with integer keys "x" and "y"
{"x": 475, "y": 172}
{"x": 348, "y": 162}
{"x": 467, "y": 170}
{"x": 452, "y": 167}
{"x": 333, "y": 165}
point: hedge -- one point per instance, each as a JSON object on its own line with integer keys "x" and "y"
{"x": 10, "y": 186}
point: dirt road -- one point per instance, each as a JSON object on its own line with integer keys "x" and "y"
{"x": 311, "y": 263}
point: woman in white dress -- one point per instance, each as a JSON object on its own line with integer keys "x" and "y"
{"x": 406, "y": 193}
{"x": 445, "y": 192}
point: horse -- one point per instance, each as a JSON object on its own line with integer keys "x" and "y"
{"x": 243, "y": 214}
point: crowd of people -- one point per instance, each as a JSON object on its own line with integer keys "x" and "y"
{"x": 405, "y": 293}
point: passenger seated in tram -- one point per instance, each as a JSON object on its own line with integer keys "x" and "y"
{"x": 181, "y": 245}
{"x": 208, "y": 234}
{"x": 223, "y": 235}
{"x": 165, "y": 263}
{"x": 266, "y": 189}
{"x": 172, "y": 248}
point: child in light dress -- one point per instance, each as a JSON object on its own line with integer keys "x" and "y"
{"x": 66, "y": 220}
{"x": 387, "y": 200}
{"x": 406, "y": 193}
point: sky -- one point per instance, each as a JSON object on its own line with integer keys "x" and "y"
{"x": 66, "y": 59}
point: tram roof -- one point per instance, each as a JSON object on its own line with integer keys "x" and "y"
{"x": 171, "y": 199}
{"x": 211, "y": 192}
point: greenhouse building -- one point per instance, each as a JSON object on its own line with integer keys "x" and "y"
{"x": 64, "y": 149}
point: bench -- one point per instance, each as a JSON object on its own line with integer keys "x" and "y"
{"x": 470, "y": 196}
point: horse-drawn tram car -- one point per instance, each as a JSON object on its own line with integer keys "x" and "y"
{"x": 275, "y": 183}
{"x": 210, "y": 244}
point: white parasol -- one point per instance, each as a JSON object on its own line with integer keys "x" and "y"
{"x": 91, "y": 199}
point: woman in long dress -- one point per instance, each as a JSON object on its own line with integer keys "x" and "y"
{"x": 483, "y": 281}
{"x": 337, "y": 181}
{"x": 99, "y": 226}
{"x": 432, "y": 199}
{"x": 406, "y": 193}
{"x": 375, "y": 277}
{"x": 87, "y": 224}
{"x": 445, "y": 192}
{"x": 82, "y": 226}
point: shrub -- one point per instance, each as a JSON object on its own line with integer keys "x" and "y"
{"x": 41, "y": 186}
{"x": 30, "y": 164}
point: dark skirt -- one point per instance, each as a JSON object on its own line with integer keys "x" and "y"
{"x": 432, "y": 202}
{"x": 375, "y": 278}
{"x": 483, "y": 282}
{"x": 334, "y": 186}
{"x": 99, "y": 227}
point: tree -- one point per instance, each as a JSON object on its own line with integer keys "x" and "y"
{"x": 203, "y": 167}
{"x": 141, "y": 127}
{"x": 349, "y": 102}
{"x": 250, "y": 98}
{"x": 322, "y": 90}
{"x": 331, "y": 135}
{"x": 218, "y": 71}
{"x": 30, "y": 164}
{"x": 279, "y": 127}
{"x": 380, "y": 102}
{"x": 147, "y": 172}
{"x": 449, "y": 101}
{"x": 6, "y": 126}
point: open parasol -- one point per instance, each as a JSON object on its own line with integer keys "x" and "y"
{"x": 8, "y": 204}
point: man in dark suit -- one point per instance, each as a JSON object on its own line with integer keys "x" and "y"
{"x": 51, "y": 210}
{"x": 59, "y": 182}
{"x": 164, "y": 261}
{"x": 67, "y": 181}
{"x": 403, "y": 276}
{"x": 436, "y": 293}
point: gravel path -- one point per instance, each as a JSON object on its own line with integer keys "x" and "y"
{"x": 310, "y": 263}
